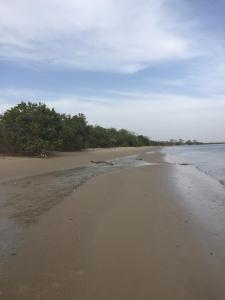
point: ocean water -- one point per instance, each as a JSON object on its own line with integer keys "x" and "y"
{"x": 200, "y": 189}
{"x": 208, "y": 158}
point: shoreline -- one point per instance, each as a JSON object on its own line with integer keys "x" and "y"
{"x": 200, "y": 162}
{"x": 18, "y": 167}
{"x": 203, "y": 199}
{"x": 122, "y": 235}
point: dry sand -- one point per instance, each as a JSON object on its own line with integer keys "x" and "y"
{"x": 121, "y": 235}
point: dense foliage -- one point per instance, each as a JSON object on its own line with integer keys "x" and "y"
{"x": 31, "y": 129}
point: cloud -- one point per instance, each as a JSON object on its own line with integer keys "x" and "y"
{"x": 160, "y": 116}
{"x": 209, "y": 73}
{"x": 106, "y": 35}
{"x": 120, "y": 36}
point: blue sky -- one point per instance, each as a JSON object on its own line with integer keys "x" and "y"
{"x": 154, "y": 67}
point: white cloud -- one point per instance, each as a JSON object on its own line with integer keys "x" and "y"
{"x": 121, "y": 36}
{"x": 109, "y": 35}
{"x": 160, "y": 116}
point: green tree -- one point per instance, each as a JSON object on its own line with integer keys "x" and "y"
{"x": 74, "y": 132}
{"x": 30, "y": 128}
{"x": 98, "y": 137}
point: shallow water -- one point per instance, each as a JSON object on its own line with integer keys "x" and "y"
{"x": 208, "y": 158}
{"x": 201, "y": 192}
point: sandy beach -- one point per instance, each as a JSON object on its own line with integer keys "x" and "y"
{"x": 113, "y": 232}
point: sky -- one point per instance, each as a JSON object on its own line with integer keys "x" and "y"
{"x": 155, "y": 67}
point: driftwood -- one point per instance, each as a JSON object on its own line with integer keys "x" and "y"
{"x": 102, "y": 162}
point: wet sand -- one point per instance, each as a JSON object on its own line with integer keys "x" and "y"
{"x": 121, "y": 235}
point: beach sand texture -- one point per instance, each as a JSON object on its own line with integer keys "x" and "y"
{"x": 121, "y": 235}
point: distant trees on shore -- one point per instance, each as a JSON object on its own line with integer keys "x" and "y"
{"x": 34, "y": 129}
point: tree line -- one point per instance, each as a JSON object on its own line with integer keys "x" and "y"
{"x": 33, "y": 128}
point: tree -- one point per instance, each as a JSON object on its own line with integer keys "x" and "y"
{"x": 143, "y": 140}
{"x": 127, "y": 139}
{"x": 74, "y": 132}
{"x": 30, "y": 128}
{"x": 98, "y": 137}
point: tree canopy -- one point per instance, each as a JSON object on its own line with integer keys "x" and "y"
{"x": 31, "y": 128}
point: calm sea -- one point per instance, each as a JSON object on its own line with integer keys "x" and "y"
{"x": 208, "y": 158}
